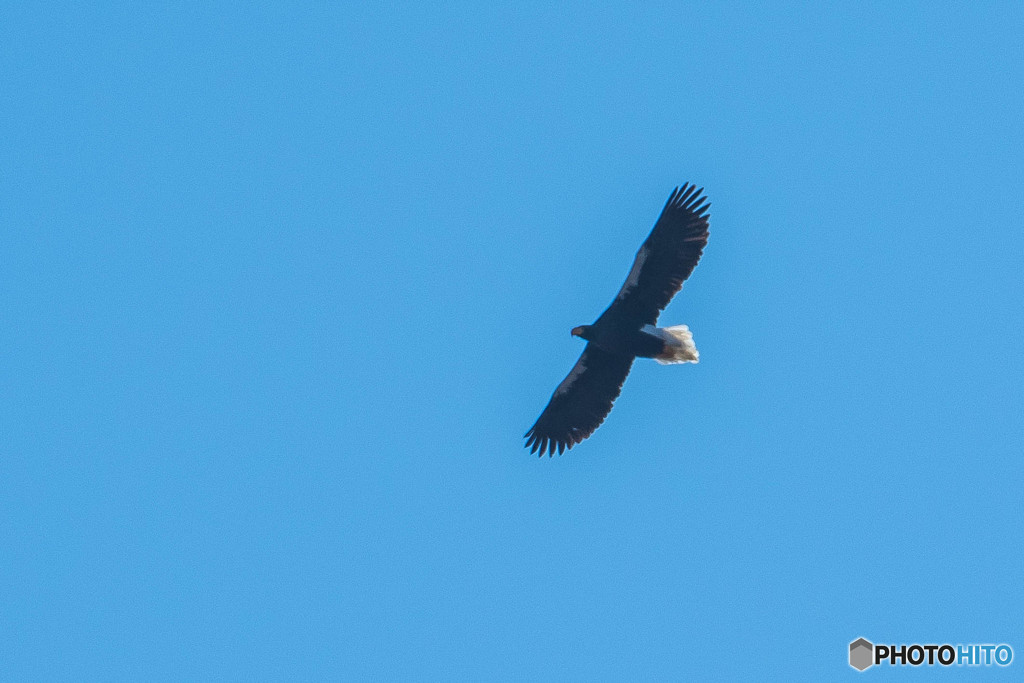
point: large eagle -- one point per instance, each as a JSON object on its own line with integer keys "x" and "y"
{"x": 626, "y": 329}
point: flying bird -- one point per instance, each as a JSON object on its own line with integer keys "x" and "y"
{"x": 626, "y": 330}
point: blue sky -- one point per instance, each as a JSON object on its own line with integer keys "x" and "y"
{"x": 283, "y": 286}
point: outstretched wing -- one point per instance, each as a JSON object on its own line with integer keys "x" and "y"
{"x": 665, "y": 259}
{"x": 581, "y": 402}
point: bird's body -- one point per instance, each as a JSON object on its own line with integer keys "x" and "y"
{"x": 626, "y": 329}
{"x": 624, "y": 340}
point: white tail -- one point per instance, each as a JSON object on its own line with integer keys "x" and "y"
{"x": 679, "y": 346}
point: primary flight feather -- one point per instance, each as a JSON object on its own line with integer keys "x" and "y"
{"x": 626, "y": 329}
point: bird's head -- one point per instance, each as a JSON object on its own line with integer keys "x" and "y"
{"x": 583, "y": 331}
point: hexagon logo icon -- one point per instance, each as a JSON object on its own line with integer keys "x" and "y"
{"x": 861, "y": 652}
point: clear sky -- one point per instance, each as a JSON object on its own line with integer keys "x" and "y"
{"x": 282, "y": 286}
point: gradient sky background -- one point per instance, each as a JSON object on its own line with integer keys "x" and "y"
{"x": 283, "y": 286}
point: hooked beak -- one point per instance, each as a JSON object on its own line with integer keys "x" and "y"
{"x": 577, "y": 331}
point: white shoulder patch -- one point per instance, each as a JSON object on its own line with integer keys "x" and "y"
{"x": 634, "y": 274}
{"x": 567, "y": 383}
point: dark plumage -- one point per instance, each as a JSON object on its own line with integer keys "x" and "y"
{"x": 626, "y": 329}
